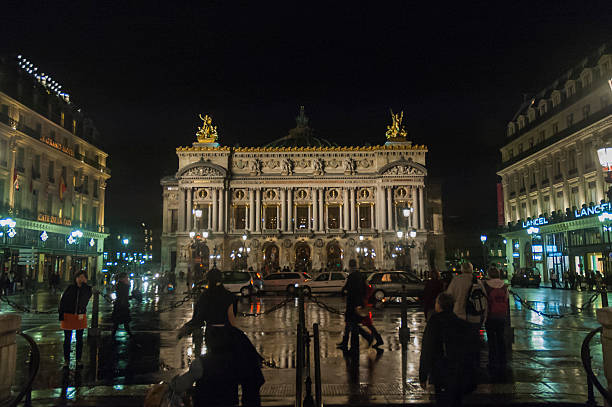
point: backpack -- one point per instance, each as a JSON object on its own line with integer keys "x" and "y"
{"x": 498, "y": 301}
{"x": 476, "y": 301}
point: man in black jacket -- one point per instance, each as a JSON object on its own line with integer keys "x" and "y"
{"x": 443, "y": 353}
{"x": 355, "y": 293}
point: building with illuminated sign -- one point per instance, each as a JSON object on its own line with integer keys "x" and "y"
{"x": 52, "y": 175}
{"x": 552, "y": 184}
{"x": 300, "y": 202}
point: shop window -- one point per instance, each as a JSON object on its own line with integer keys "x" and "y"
{"x": 240, "y": 216}
{"x": 333, "y": 217}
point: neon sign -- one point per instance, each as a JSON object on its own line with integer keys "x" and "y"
{"x": 592, "y": 210}
{"x": 535, "y": 222}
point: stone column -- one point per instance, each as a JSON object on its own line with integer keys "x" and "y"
{"x": 257, "y": 210}
{"x": 181, "y": 209}
{"x": 283, "y": 217}
{"x": 190, "y": 215}
{"x": 599, "y": 178}
{"x": 290, "y": 214}
{"x": 209, "y": 217}
{"x": 421, "y": 209}
{"x": 389, "y": 208}
{"x": 222, "y": 210}
{"x": 321, "y": 210}
{"x": 315, "y": 209}
{"x": 9, "y": 325}
{"x": 215, "y": 214}
{"x": 345, "y": 209}
{"x": 372, "y": 217}
{"x": 352, "y": 208}
{"x": 251, "y": 210}
{"x": 13, "y": 147}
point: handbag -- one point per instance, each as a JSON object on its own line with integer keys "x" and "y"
{"x": 74, "y": 321}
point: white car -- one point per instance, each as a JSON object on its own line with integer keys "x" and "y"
{"x": 287, "y": 281}
{"x": 238, "y": 282}
{"x": 328, "y": 282}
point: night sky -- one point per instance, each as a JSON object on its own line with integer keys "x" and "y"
{"x": 145, "y": 71}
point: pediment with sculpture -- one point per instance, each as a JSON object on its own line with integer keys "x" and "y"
{"x": 403, "y": 167}
{"x": 201, "y": 169}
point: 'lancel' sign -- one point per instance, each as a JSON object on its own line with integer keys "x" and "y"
{"x": 593, "y": 210}
{"x": 535, "y": 222}
{"x": 54, "y": 219}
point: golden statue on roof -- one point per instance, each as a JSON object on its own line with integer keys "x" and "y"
{"x": 207, "y": 133}
{"x": 395, "y": 131}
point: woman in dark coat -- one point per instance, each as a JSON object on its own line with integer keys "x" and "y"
{"x": 121, "y": 306}
{"x": 216, "y": 308}
{"x": 73, "y": 315}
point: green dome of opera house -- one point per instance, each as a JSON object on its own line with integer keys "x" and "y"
{"x": 300, "y": 136}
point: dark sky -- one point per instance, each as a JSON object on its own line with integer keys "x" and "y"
{"x": 458, "y": 70}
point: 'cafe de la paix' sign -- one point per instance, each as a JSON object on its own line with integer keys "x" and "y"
{"x": 54, "y": 219}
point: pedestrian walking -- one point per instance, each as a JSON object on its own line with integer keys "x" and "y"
{"x": 4, "y": 283}
{"x": 579, "y": 282}
{"x": 566, "y": 280}
{"x": 121, "y": 305}
{"x": 444, "y": 353}
{"x": 498, "y": 308}
{"x": 231, "y": 348}
{"x": 12, "y": 284}
{"x": 432, "y": 289}
{"x": 553, "y": 278}
{"x": 353, "y": 315}
{"x": 73, "y": 315}
{"x": 471, "y": 306}
{"x": 367, "y": 320}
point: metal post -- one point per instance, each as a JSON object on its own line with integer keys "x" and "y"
{"x": 317, "y": 365}
{"x": 28, "y": 398}
{"x": 299, "y": 368}
{"x": 95, "y": 309}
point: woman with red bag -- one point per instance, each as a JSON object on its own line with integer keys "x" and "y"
{"x": 73, "y": 315}
{"x": 367, "y": 320}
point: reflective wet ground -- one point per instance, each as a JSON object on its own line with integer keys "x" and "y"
{"x": 545, "y": 366}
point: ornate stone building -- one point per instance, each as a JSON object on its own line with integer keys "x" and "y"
{"x": 299, "y": 201}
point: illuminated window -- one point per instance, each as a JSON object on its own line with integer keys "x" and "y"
{"x": 333, "y": 217}
{"x": 240, "y": 216}
{"x": 74, "y": 127}
{"x": 301, "y": 217}
{"x": 62, "y": 119}
{"x": 365, "y": 216}
{"x": 271, "y": 220}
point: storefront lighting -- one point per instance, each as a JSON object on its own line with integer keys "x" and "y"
{"x": 44, "y": 236}
{"x": 71, "y": 239}
{"x": 125, "y": 241}
{"x": 76, "y": 233}
{"x": 8, "y": 222}
{"x": 92, "y": 242}
{"x": 605, "y": 216}
{"x": 605, "y": 157}
{"x": 533, "y": 230}
{"x": 483, "y": 238}
{"x": 11, "y": 233}
{"x": 505, "y": 241}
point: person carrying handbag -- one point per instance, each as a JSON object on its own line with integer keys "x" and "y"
{"x": 73, "y": 315}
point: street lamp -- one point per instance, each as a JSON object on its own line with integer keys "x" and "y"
{"x": 8, "y": 229}
{"x": 483, "y": 239}
{"x": 605, "y": 160}
{"x": 73, "y": 239}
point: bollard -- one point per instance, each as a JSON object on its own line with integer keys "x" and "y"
{"x": 299, "y": 367}
{"x": 317, "y": 365}
{"x": 404, "y": 331}
{"x": 604, "y": 295}
{"x": 9, "y": 325}
{"x": 95, "y": 310}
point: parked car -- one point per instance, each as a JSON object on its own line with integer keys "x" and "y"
{"x": 257, "y": 280}
{"x": 285, "y": 281}
{"x": 526, "y": 278}
{"x": 395, "y": 284}
{"x": 238, "y": 282}
{"x": 332, "y": 282}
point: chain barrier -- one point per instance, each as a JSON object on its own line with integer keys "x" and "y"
{"x": 578, "y": 310}
{"x": 24, "y": 308}
{"x": 323, "y": 305}
{"x": 268, "y": 311}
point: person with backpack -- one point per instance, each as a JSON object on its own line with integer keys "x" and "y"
{"x": 471, "y": 306}
{"x": 443, "y": 353}
{"x": 498, "y": 308}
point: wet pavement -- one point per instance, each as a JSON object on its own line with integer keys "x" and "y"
{"x": 545, "y": 366}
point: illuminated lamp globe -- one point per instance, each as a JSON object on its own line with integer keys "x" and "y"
{"x": 413, "y": 233}
{"x": 400, "y": 234}
{"x": 205, "y": 234}
{"x": 483, "y": 238}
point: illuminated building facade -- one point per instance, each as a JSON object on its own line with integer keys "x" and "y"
{"x": 300, "y": 202}
{"x": 52, "y": 176}
{"x": 552, "y": 184}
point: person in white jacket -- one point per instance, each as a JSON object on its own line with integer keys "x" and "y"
{"x": 459, "y": 288}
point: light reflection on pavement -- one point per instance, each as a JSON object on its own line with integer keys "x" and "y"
{"x": 546, "y": 352}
